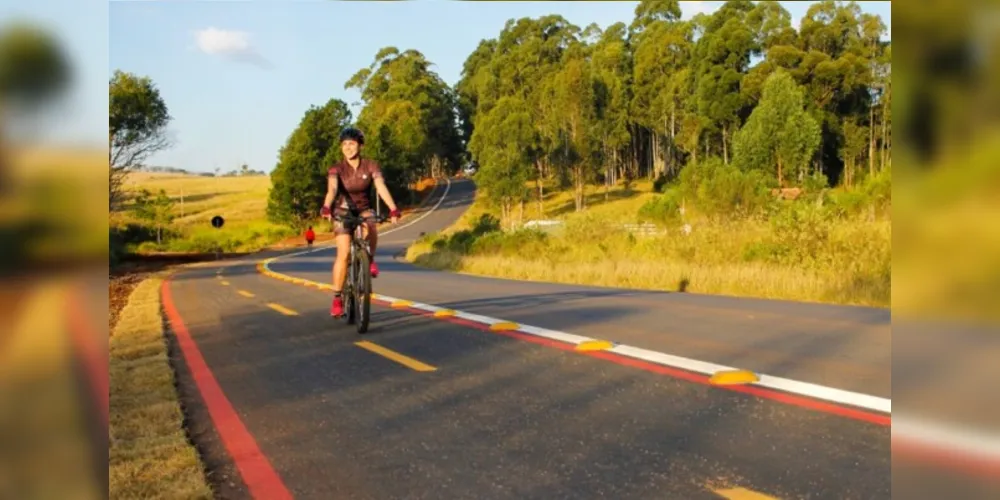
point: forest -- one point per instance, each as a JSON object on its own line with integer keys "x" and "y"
{"x": 548, "y": 100}
{"x": 729, "y": 118}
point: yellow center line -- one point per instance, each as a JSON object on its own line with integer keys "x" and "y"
{"x": 742, "y": 494}
{"x": 224, "y": 283}
{"x": 282, "y": 309}
{"x": 395, "y": 356}
{"x": 245, "y": 293}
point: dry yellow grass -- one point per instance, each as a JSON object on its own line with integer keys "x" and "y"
{"x": 150, "y": 455}
{"x": 237, "y": 199}
{"x": 46, "y": 451}
{"x": 852, "y": 265}
{"x": 241, "y": 201}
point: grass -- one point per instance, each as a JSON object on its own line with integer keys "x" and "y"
{"x": 150, "y": 455}
{"x": 51, "y": 205}
{"x": 797, "y": 255}
{"x": 47, "y": 447}
{"x": 241, "y": 201}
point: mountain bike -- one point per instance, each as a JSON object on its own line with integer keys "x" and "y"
{"x": 357, "y": 292}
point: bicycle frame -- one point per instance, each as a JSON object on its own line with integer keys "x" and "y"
{"x": 357, "y": 285}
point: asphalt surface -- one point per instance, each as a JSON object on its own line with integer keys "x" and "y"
{"x": 504, "y": 418}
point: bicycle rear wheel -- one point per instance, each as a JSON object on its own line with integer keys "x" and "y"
{"x": 363, "y": 289}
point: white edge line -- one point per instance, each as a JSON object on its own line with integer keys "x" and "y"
{"x": 937, "y": 435}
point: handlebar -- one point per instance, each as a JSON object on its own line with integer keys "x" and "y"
{"x": 354, "y": 219}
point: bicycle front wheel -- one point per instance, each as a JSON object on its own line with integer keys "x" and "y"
{"x": 363, "y": 289}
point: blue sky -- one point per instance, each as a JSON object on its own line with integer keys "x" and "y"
{"x": 237, "y": 76}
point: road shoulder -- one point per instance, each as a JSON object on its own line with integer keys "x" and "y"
{"x": 149, "y": 451}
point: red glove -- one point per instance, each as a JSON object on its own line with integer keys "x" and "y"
{"x": 325, "y": 211}
{"x": 394, "y": 213}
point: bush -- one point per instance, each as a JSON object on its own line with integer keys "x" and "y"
{"x": 718, "y": 189}
{"x": 663, "y": 209}
{"x": 523, "y": 242}
{"x": 802, "y": 234}
{"x": 873, "y": 195}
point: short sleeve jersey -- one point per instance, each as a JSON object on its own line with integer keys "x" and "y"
{"x": 357, "y": 182}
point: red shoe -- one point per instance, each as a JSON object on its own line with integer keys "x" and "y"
{"x": 337, "y": 308}
{"x": 373, "y": 267}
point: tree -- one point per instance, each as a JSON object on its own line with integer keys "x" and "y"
{"x": 779, "y": 136}
{"x": 137, "y": 122}
{"x": 157, "y": 210}
{"x": 298, "y": 182}
{"x": 411, "y": 114}
{"x": 576, "y": 132}
{"x": 723, "y": 54}
{"x": 33, "y": 69}
{"x": 504, "y": 164}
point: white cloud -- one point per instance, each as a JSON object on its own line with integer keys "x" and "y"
{"x": 233, "y": 45}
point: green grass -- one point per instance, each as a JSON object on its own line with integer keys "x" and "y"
{"x": 801, "y": 253}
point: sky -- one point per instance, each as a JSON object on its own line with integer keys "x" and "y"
{"x": 238, "y": 76}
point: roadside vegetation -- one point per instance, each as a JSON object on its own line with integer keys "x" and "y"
{"x": 829, "y": 249}
{"x": 149, "y": 452}
{"x": 759, "y": 155}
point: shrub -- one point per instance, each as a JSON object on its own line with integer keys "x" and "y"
{"x": 664, "y": 209}
{"x": 723, "y": 190}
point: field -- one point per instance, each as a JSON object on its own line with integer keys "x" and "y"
{"x": 241, "y": 201}
{"x": 797, "y": 255}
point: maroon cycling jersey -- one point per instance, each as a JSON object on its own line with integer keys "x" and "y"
{"x": 357, "y": 182}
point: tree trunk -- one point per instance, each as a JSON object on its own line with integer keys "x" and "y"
{"x": 673, "y": 138}
{"x": 725, "y": 148}
{"x": 885, "y": 125}
{"x": 520, "y": 217}
{"x": 538, "y": 183}
{"x": 871, "y": 141}
{"x": 159, "y": 234}
{"x": 781, "y": 182}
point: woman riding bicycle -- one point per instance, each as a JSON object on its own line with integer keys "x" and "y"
{"x": 356, "y": 174}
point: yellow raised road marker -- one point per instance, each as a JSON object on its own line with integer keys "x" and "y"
{"x": 504, "y": 326}
{"x": 282, "y": 309}
{"x": 444, "y": 313}
{"x": 402, "y": 303}
{"x": 734, "y": 377}
{"x": 594, "y": 345}
{"x": 742, "y": 494}
{"x": 245, "y": 293}
{"x": 395, "y": 356}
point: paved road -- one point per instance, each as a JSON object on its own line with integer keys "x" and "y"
{"x": 498, "y": 417}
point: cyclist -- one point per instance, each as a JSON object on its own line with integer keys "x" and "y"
{"x": 355, "y": 175}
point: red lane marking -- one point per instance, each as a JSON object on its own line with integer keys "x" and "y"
{"x": 762, "y": 392}
{"x": 92, "y": 356}
{"x": 984, "y": 467}
{"x": 254, "y": 467}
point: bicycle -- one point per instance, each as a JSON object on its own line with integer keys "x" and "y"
{"x": 357, "y": 292}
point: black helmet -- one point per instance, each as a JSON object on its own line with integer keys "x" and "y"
{"x": 352, "y": 134}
